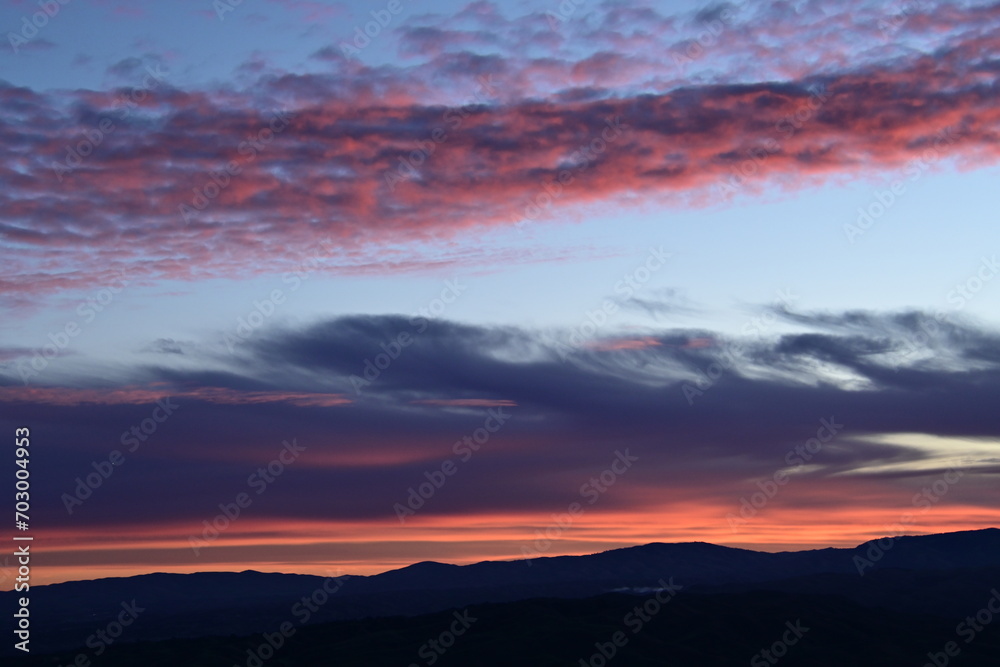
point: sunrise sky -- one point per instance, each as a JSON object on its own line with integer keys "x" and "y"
{"x": 470, "y": 261}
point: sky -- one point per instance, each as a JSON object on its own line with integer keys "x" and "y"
{"x": 338, "y": 287}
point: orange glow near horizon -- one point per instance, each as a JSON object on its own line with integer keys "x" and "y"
{"x": 330, "y": 548}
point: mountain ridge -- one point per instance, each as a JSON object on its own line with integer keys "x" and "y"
{"x": 926, "y": 572}
{"x": 992, "y": 532}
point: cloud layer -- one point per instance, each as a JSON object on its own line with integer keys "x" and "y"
{"x": 482, "y": 129}
{"x": 528, "y": 424}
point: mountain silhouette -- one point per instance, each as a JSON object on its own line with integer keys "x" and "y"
{"x": 939, "y": 578}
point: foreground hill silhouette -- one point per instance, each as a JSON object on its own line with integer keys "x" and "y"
{"x": 913, "y": 593}
{"x": 691, "y": 630}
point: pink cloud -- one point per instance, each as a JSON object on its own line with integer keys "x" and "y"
{"x": 466, "y": 402}
{"x": 358, "y": 167}
{"x": 624, "y": 344}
